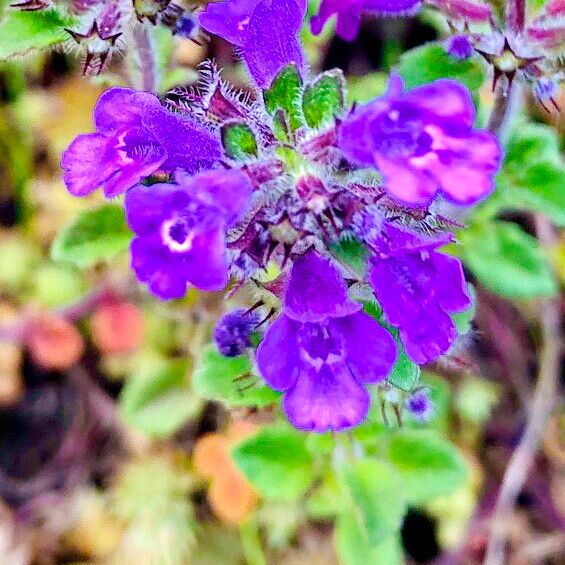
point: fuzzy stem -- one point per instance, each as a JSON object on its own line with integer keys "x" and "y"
{"x": 516, "y": 15}
{"x": 542, "y": 406}
{"x": 145, "y": 53}
{"x": 505, "y": 102}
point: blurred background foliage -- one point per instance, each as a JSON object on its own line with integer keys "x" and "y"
{"x": 125, "y": 438}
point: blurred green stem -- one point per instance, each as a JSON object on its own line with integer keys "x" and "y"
{"x": 251, "y": 542}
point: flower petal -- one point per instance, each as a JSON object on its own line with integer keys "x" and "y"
{"x": 371, "y": 350}
{"x": 277, "y": 355}
{"x": 316, "y": 291}
{"x": 272, "y": 40}
{"x": 119, "y": 108}
{"x": 331, "y": 399}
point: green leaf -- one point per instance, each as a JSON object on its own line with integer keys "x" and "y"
{"x": 352, "y": 546}
{"x": 405, "y": 373}
{"x": 533, "y": 174}
{"x": 352, "y": 253}
{"x": 285, "y": 94}
{"x": 324, "y": 98}
{"x": 158, "y": 401}
{"x": 529, "y": 142}
{"x": 431, "y": 62}
{"x": 506, "y": 260}
{"x": 227, "y": 379}
{"x": 537, "y": 187}
{"x": 23, "y": 31}
{"x": 429, "y": 465}
{"x": 96, "y": 235}
{"x": 377, "y": 495}
{"x": 276, "y": 462}
{"x": 462, "y": 320}
{"x": 239, "y": 141}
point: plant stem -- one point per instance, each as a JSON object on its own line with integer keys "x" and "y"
{"x": 541, "y": 409}
{"x": 145, "y": 54}
{"x": 251, "y": 542}
{"x": 504, "y": 103}
{"x": 516, "y": 15}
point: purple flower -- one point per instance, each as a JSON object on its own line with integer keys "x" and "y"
{"x": 417, "y": 287}
{"x": 323, "y": 349}
{"x": 459, "y": 46}
{"x": 419, "y": 405}
{"x": 135, "y": 137}
{"x": 348, "y": 13}
{"x": 423, "y": 142}
{"x": 181, "y": 227}
{"x": 232, "y": 333}
{"x": 264, "y": 31}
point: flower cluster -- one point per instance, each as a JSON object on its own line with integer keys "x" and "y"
{"x": 221, "y": 185}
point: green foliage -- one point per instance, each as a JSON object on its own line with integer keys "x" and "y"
{"x": 157, "y": 400}
{"x": 506, "y": 260}
{"x": 276, "y": 462}
{"x": 462, "y": 320}
{"x": 353, "y": 548}
{"x": 430, "y": 62}
{"x": 533, "y": 174}
{"x": 324, "y": 98}
{"x": 228, "y": 380}
{"x": 428, "y": 465}
{"x": 376, "y": 499}
{"x": 56, "y": 285}
{"x": 96, "y": 235}
{"x": 352, "y": 253}
{"x": 22, "y": 31}
{"x": 151, "y": 498}
{"x": 239, "y": 141}
{"x": 285, "y": 94}
{"x": 405, "y": 374}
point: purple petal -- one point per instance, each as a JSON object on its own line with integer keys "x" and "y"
{"x": 189, "y": 146}
{"x": 392, "y": 7}
{"x": 331, "y": 399}
{"x": 407, "y": 184}
{"x": 86, "y": 164}
{"x": 114, "y": 164}
{"x": 229, "y": 191}
{"x": 229, "y": 19}
{"x": 151, "y": 263}
{"x": 429, "y": 337}
{"x": 446, "y": 99}
{"x": 119, "y": 108}
{"x": 205, "y": 266}
{"x": 398, "y": 286}
{"x": 348, "y": 14}
{"x": 147, "y": 206}
{"x": 371, "y": 350}
{"x": 450, "y": 283}
{"x": 277, "y": 355}
{"x": 316, "y": 291}
{"x": 272, "y": 40}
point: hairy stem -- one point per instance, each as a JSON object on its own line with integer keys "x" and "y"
{"x": 505, "y": 102}
{"x": 541, "y": 409}
{"x": 516, "y": 15}
{"x": 145, "y": 55}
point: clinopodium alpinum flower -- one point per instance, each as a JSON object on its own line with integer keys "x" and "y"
{"x": 222, "y": 187}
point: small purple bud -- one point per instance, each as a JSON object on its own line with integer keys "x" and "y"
{"x": 546, "y": 88}
{"x": 420, "y": 405}
{"x": 459, "y": 46}
{"x": 232, "y": 333}
{"x": 186, "y": 26}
